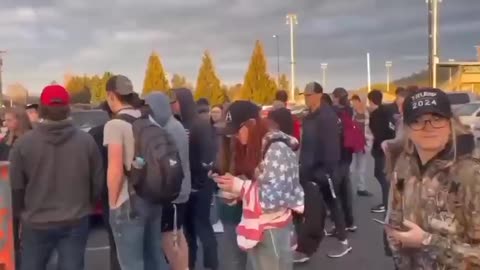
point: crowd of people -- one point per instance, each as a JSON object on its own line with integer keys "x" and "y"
{"x": 159, "y": 162}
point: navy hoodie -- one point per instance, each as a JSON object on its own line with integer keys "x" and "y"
{"x": 201, "y": 139}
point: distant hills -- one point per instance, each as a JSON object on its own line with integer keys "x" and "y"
{"x": 421, "y": 78}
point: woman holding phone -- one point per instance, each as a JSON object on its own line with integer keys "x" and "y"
{"x": 434, "y": 219}
{"x": 270, "y": 190}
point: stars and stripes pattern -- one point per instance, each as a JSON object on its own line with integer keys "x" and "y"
{"x": 268, "y": 202}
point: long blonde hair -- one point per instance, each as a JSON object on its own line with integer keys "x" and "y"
{"x": 24, "y": 124}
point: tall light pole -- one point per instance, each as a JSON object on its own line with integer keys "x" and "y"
{"x": 277, "y": 38}
{"x": 388, "y": 65}
{"x": 324, "y": 75}
{"x": 1, "y": 73}
{"x": 292, "y": 21}
{"x": 433, "y": 57}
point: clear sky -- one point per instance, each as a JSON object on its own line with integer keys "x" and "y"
{"x": 46, "y": 38}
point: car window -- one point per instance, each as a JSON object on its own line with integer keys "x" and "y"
{"x": 89, "y": 119}
{"x": 467, "y": 109}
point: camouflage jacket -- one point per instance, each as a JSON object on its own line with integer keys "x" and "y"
{"x": 443, "y": 198}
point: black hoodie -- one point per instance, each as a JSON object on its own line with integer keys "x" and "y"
{"x": 56, "y": 174}
{"x": 201, "y": 138}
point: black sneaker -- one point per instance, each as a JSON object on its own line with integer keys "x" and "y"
{"x": 352, "y": 228}
{"x": 342, "y": 249}
{"x": 300, "y": 257}
{"x": 364, "y": 193}
{"x": 379, "y": 209}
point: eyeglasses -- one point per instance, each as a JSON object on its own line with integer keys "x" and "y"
{"x": 435, "y": 122}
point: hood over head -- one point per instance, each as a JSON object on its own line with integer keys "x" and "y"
{"x": 159, "y": 103}
{"x": 56, "y": 132}
{"x": 274, "y": 136}
{"x": 188, "y": 107}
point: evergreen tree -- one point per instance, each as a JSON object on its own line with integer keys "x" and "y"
{"x": 96, "y": 90}
{"x": 258, "y": 85}
{"x": 155, "y": 76}
{"x": 284, "y": 83}
{"x": 208, "y": 83}
{"x": 179, "y": 81}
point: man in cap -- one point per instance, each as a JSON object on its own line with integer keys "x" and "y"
{"x": 57, "y": 175}
{"x": 136, "y": 224}
{"x": 319, "y": 162}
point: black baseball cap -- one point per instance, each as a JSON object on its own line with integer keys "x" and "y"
{"x": 313, "y": 88}
{"x": 238, "y": 113}
{"x": 426, "y": 101}
{"x": 121, "y": 85}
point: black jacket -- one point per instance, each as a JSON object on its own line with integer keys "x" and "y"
{"x": 201, "y": 138}
{"x": 320, "y": 150}
{"x": 97, "y": 134}
{"x": 382, "y": 125}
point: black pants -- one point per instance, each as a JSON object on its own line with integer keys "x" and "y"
{"x": 334, "y": 205}
{"x": 345, "y": 193}
{"x": 197, "y": 224}
{"x": 309, "y": 226}
{"x": 379, "y": 172}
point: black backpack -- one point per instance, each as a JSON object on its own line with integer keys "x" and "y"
{"x": 159, "y": 180}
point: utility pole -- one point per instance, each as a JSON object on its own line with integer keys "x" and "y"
{"x": 276, "y": 37}
{"x": 388, "y": 65}
{"x": 433, "y": 57}
{"x": 2, "y": 52}
{"x": 292, "y": 21}
{"x": 450, "y": 73}
{"x": 324, "y": 75}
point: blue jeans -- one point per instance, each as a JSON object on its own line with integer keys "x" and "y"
{"x": 69, "y": 240}
{"x": 274, "y": 252}
{"x": 138, "y": 235}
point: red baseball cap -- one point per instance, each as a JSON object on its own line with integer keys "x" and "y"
{"x": 54, "y": 95}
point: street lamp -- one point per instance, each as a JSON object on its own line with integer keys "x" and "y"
{"x": 276, "y": 37}
{"x": 388, "y": 65}
{"x": 292, "y": 21}
{"x": 324, "y": 75}
{"x": 433, "y": 57}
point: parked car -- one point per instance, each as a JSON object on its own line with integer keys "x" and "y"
{"x": 87, "y": 119}
{"x": 468, "y": 114}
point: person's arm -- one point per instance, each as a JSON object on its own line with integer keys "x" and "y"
{"x": 18, "y": 179}
{"x": 97, "y": 176}
{"x": 463, "y": 250}
{"x": 113, "y": 139}
{"x": 307, "y": 151}
{"x": 203, "y": 137}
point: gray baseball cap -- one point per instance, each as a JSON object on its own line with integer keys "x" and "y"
{"x": 121, "y": 85}
{"x": 313, "y": 88}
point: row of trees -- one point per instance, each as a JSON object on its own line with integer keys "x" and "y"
{"x": 258, "y": 85}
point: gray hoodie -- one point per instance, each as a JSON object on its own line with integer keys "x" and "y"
{"x": 56, "y": 174}
{"x": 162, "y": 114}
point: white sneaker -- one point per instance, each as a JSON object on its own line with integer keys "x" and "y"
{"x": 218, "y": 227}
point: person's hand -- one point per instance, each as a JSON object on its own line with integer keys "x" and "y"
{"x": 413, "y": 238}
{"x": 225, "y": 182}
{"x": 384, "y": 146}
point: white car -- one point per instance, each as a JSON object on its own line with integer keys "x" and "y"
{"x": 469, "y": 115}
